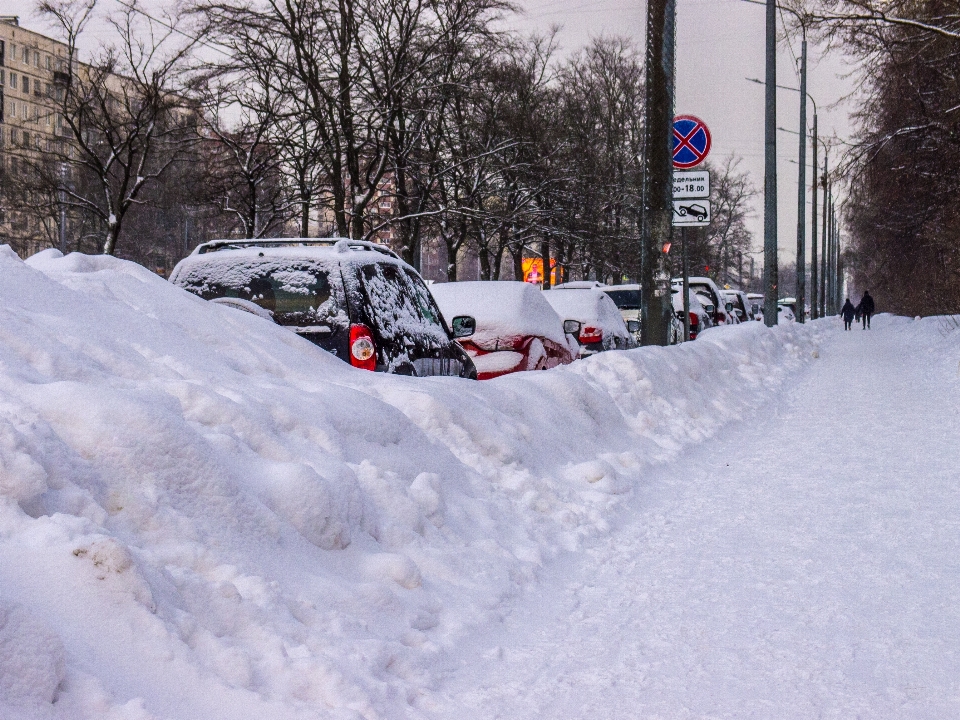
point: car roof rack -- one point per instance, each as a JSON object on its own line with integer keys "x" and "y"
{"x": 237, "y": 244}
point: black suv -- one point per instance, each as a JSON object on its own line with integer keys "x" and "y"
{"x": 356, "y": 299}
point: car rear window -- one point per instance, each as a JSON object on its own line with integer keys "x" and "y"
{"x": 401, "y": 305}
{"x": 296, "y": 292}
{"x": 625, "y": 299}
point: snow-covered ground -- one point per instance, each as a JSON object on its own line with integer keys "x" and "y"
{"x": 204, "y": 516}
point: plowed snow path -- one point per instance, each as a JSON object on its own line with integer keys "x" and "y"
{"x": 805, "y": 564}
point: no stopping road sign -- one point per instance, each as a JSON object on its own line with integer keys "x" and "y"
{"x": 691, "y": 141}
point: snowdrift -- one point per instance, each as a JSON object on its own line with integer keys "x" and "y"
{"x": 203, "y": 515}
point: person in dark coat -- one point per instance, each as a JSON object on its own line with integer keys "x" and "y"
{"x": 866, "y": 308}
{"x": 848, "y": 313}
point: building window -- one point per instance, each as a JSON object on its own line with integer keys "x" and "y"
{"x": 3, "y": 47}
{"x": 36, "y": 58}
{"x": 13, "y": 80}
{"x": 25, "y": 56}
{"x": 26, "y": 85}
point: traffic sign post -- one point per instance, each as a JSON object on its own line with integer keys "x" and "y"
{"x": 691, "y": 190}
{"x": 691, "y": 141}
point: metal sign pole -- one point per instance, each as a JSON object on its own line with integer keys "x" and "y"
{"x": 686, "y": 286}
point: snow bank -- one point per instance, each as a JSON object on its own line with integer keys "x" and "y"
{"x": 502, "y": 310}
{"x": 203, "y": 515}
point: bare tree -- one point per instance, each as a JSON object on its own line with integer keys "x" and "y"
{"x": 125, "y": 120}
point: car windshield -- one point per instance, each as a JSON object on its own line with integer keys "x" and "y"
{"x": 296, "y": 292}
{"x": 625, "y": 299}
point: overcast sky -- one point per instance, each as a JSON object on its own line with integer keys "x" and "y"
{"x": 719, "y": 44}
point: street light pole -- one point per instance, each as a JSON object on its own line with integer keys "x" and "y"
{"x": 802, "y": 187}
{"x": 770, "y": 291}
{"x": 657, "y": 227}
{"x": 823, "y": 246}
{"x": 814, "y": 300}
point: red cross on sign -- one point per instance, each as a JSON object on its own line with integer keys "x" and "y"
{"x": 691, "y": 141}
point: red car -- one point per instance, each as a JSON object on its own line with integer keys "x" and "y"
{"x": 516, "y": 327}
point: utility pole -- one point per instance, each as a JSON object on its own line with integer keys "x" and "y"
{"x": 657, "y": 228}
{"x": 823, "y": 247}
{"x": 802, "y": 188}
{"x": 814, "y": 298}
{"x": 829, "y": 257}
{"x": 770, "y": 290}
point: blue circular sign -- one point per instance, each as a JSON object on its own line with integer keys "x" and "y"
{"x": 691, "y": 141}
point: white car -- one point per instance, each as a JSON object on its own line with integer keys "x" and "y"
{"x": 707, "y": 287}
{"x": 601, "y": 325}
{"x": 785, "y": 314}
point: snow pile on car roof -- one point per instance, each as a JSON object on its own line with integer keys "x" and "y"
{"x": 502, "y": 309}
{"x": 203, "y": 515}
{"x": 590, "y": 306}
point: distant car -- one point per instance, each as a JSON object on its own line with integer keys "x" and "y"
{"x": 790, "y": 302}
{"x": 516, "y": 328}
{"x": 756, "y": 305}
{"x": 627, "y": 300}
{"x": 700, "y": 320}
{"x": 785, "y": 314}
{"x": 741, "y": 305}
{"x": 716, "y": 301}
{"x": 601, "y": 324}
{"x": 357, "y": 300}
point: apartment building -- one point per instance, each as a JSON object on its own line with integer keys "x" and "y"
{"x": 33, "y": 73}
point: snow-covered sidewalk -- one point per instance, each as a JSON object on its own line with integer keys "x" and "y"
{"x": 803, "y": 564}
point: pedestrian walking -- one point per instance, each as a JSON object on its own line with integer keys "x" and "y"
{"x": 866, "y": 308}
{"x": 848, "y": 312}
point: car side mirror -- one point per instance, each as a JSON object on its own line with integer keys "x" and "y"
{"x": 633, "y": 326}
{"x": 729, "y": 307}
{"x": 709, "y": 308}
{"x": 572, "y": 327}
{"x": 463, "y": 326}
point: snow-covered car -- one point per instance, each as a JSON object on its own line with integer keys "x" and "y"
{"x": 741, "y": 305}
{"x": 721, "y": 314}
{"x": 516, "y": 328}
{"x": 756, "y": 305}
{"x": 700, "y": 320}
{"x": 790, "y": 302}
{"x": 627, "y": 300}
{"x": 601, "y": 324}
{"x": 785, "y": 314}
{"x": 357, "y": 300}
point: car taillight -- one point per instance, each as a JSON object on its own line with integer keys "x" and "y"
{"x": 694, "y": 320}
{"x": 590, "y": 334}
{"x": 363, "y": 351}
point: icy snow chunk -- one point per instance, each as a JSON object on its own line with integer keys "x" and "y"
{"x": 31, "y": 660}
